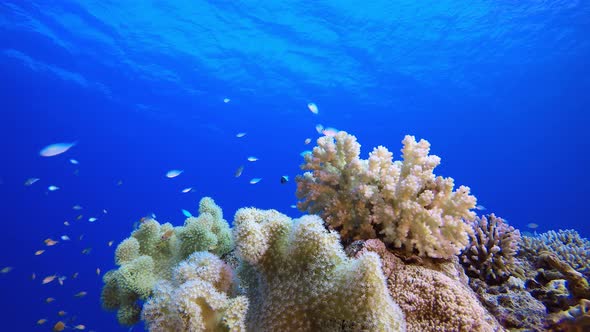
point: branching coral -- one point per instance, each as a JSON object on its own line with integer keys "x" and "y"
{"x": 490, "y": 256}
{"x": 567, "y": 244}
{"x": 151, "y": 253}
{"x": 196, "y": 299}
{"x": 432, "y": 299}
{"x": 298, "y": 278}
{"x": 401, "y": 202}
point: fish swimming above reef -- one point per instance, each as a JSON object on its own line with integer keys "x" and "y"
{"x": 55, "y": 149}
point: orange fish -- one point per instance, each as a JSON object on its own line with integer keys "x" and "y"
{"x": 49, "y": 242}
{"x": 49, "y": 279}
{"x": 49, "y": 299}
{"x": 167, "y": 234}
{"x": 79, "y": 327}
{"x": 41, "y": 321}
{"x": 59, "y": 326}
{"x": 61, "y": 313}
{"x": 39, "y": 252}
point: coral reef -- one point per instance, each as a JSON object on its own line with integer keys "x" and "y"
{"x": 433, "y": 298}
{"x": 401, "y": 202}
{"x": 574, "y": 319}
{"x": 207, "y": 232}
{"x": 511, "y": 304}
{"x": 298, "y": 278}
{"x": 196, "y": 299}
{"x": 567, "y": 244}
{"x": 490, "y": 255}
{"x": 152, "y": 252}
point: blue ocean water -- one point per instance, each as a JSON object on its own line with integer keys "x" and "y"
{"x": 500, "y": 89}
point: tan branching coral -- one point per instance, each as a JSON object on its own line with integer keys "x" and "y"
{"x": 401, "y": 202}
{"x": 298, "y": 278}
{"x": 490, "y": 255}
{"x": 434, "y": 298}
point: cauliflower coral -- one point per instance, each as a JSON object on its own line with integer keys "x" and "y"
{"x": 401, "y": 202}
{"x": 153, "y": 251}
{"x": 196, "y": 299}
{"x": 298, "y": 278}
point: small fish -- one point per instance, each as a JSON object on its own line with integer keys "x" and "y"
{"x": 240, "y": 135}
{"x": 110, "y": 243}
{"x": 41, "y": 321}
{"x": 119, "y": 182}
{"x": 92, "y": 219}
{"x": 80, "y": 294}
{"x": 75, "y": 275}
{"x": 86, "y": 251}
{"x": 307, "y": 141}
{"x": 6, "y": 270}
{"x": 255, "y": 180}
{"x": 251, "y": 158}
{"x": 65, "y": 238}
{"x": 304, "y": 153}
{"x": 319, "y": 128}
{"x": 61, "y": 313}
{"x": 239, "y": 171}
{"x": 52, "y": 188}
{"x": 226, "y": 100}
{"x": 33, "y": 276}
{"x": 186, "y": 213}
{"x": 74, "y": 162}
{"x": 49, "y": 299}
{"x": 480, "y": 207}
{"x": 313, "y": 108}
{"x": 61, "y": 280}
{"x": 79, "y": 217}
{"x": 284, "y": 179}
{"x": 49, "y": 242}
{"x": 293, "y": 206}
{"x": 79, "y": 327}
{"x": 31, "y": 181}
{"x": 330, "y": 132}
{"x": 77, "y": 207}
{"x": 173, "y": 173}
{"x": 532, "y": 225}
{"x": 81, "y": 237}
{"x": 39, "y": 252}
{"x": 97, "y": 271}
{"x": 187, "y": 190}
{"x": 67, "y": 223}
{"x": 48, "y": 279}
{"x": 55, "y": 149}
{"x": 167, "y": 235}
{"x": 105, "y": 211}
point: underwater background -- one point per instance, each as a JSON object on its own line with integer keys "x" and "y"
{"x": 500, "y": 89}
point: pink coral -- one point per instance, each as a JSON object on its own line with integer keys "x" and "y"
{"x": 434, "y": 298}
{"x": 401, "y": 202}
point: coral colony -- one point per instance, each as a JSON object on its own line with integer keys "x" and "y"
{"x": 387, "y": 246}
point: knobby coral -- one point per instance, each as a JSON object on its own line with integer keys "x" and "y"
{"x": 490, "y": 255}
{"x": 401, "y": 202}
{"x": 196, "y": 299}
{"x": 434, "y": 298}
{"x": 298, "y": 278}
{"x": 152, "y": 252}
